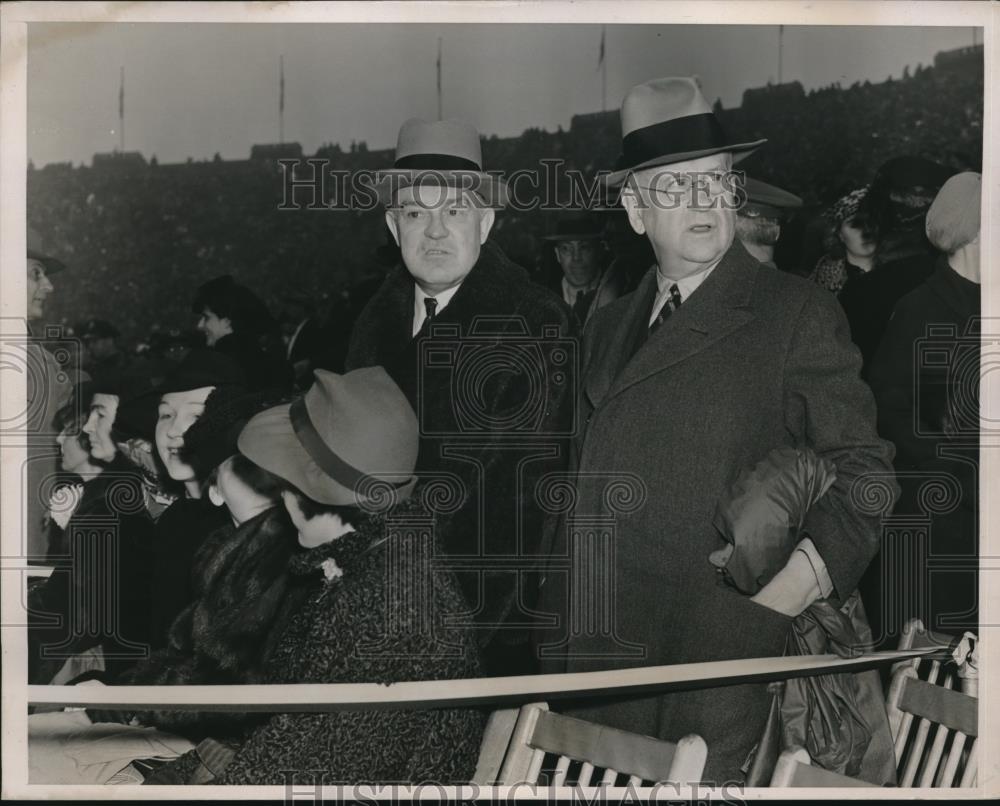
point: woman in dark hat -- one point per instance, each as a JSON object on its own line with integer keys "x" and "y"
{"x": 188, "y": 521}
{"x": 346, "y": 452}
{"x": 850, "y": 243}
{"x": 237, "y": 323}
{"x": 896, "y": 205}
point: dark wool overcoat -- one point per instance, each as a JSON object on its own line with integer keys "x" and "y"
{"x": 753, "y": 360}
{"x": 492, "y": 383}
{"x": 375, "y": 612}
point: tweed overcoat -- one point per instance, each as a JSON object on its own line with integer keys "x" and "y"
{"x": 753, "y": 360}
{"x": 502, "y": 347}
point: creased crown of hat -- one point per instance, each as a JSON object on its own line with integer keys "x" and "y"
{"x": 351, "y": 440}
{"x": 668, "y": 120}
{"x": 441, "y": 152}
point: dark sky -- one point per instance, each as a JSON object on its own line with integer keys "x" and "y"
{"x": 194, "y": 90}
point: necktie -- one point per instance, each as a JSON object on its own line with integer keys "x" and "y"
{"x": 671, "y": 304}
{"x": 430, "y": 308}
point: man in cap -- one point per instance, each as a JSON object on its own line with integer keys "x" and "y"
{"x": 578, "y": 248}
{"x": 103, "y": 352}
{"x": 758, "y": 222}
{"x": 481, "y": 353}
{"x": 710, "y": 364}
{"x": 49, "y": 388}
{"x": 930, "y": 409}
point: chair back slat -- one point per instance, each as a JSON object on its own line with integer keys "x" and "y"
{"x": 559, "y": 775}
{"x": 934, "y": 756}
{"x": 970, "y": 774}
{"x": 586, "y": 772}
{"x": 520, "y": 757}
{"x": 946, "y": 776}
{"x": 953, "y": 709}
{"x": 535, "y": 769}
{"x": 609, "y": 777}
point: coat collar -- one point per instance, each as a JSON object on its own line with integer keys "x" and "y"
{"x": 720, "y": 306}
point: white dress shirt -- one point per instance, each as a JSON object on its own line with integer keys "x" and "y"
{"x": 420, "y": 311}
{"x": 686, "y": 286}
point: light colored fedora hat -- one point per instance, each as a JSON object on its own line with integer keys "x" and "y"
{"x": 443, "y": 152}
{"x": 335, "y": 442}
{"x": 668, "y": 120}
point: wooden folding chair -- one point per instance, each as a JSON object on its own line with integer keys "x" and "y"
{"x": 555, "y": 750}
{"x": 934, "y": 727}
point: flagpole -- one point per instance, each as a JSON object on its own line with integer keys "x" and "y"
{"x": 121, "y": 110}
{"x": 440, "y": 114}
{"x": 781, "y": 44}
{"x": 604, "y": 72}
{"x": 281, "y": 98}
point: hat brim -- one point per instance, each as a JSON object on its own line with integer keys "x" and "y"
{"x": 740, "y": 151}
{"x": 490, "y": 189}
{"x": 52, "y": 266}
{"x": 268, "y": 440}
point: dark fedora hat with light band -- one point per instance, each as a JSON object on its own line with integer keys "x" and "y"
{"x": 342, "y": 442}
{"x": 575, "y": 226}
{"x": 668, "y": 120}
{"x": 443, "y": 153}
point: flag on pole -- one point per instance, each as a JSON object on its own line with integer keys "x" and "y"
{"x": 281, "y": 84}
{"x": 121, "y": 96}
{"x": 600, "y": 57}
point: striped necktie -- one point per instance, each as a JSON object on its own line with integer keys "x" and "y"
{"x": 670, "y": 304}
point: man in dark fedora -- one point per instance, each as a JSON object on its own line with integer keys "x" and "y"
{"x": 482, "y": 354}
{"x": 577, "y": 243}
{"x": 710, "y": 364}
{"x": 759, "y": 220}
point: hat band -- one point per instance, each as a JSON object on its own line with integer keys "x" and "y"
{"x": 336, "y": 468}
{"x": 438, "y": 162}
{"x": 678, "y": 136}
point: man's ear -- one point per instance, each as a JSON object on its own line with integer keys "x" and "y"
{"x": 215, "y": 496}
{"x": 632, "y": 208}
{"x": 486, "y": 220}
{"x": 390, "y": 222}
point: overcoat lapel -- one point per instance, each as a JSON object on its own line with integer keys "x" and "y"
{"x": 613, "y": 353}
{"x": 720, "y": 306}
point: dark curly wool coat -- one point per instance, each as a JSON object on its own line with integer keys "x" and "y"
{"x": 244, "y": 598}
{"x": 341, "y": 635}
{"x": 470, "y": 400}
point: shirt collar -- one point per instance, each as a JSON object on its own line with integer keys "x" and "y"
{"x": 686, "y": 285}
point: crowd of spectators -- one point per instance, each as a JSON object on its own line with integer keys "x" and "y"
{"x": 134, "y": 233}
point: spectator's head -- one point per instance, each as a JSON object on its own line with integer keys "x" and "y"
{"x": 41, "y": 267}
{"x": 900, "y": 195}
{"x": 759, "y": 220}
{"x": 349, "y": 442}
{"x": 74, "y": 444}
{"x": 676, "y": 166}
{"x": 578, "y": 246}
{"x": 224, "y": 306}
{"x": 853, "y": 232}
{"x": 439, "y": 203}
{"x": 182, "y": 403}
{"x": 122, "y": 407}
{"x": 100, "y": 338}
{"x": 953, "y": 222}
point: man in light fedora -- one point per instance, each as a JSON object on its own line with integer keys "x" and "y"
{"x": 481, "y": 353}
{"x": 710, "y": 364}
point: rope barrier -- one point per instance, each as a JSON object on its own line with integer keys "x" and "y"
{"x": 495, "y": 691}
